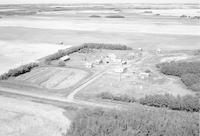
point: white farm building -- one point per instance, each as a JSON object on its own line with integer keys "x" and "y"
{"x": 65, "y": 58}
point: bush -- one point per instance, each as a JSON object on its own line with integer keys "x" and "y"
{"x": 18, "y": 71}
{"x": 137, "y": 122}
{"x": 186, "y": 103}
{"x": 122, "y": 98}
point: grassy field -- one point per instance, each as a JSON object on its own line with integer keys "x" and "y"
{"x": 35, "y": 33}
{"x": 14, "y": 54}
{"x": 24, "y": 118}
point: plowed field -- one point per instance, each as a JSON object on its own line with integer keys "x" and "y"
{"x": 53, "y": 77}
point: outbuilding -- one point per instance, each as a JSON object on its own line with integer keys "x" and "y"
{"x": 89, "y": 65}
{"x": 65, "y": 58}
{"x": 120, "y": 70}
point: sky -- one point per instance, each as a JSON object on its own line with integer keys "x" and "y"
{"x": 95, "y": 1}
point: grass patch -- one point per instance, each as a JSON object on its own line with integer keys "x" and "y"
{"x": 137, "y": 122}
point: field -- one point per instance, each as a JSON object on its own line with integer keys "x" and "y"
{"x": 53, "y": 77}
{"x": 29, "y": 118}
{"x": 74, "y": 26}
{"x": 15, "y": 53}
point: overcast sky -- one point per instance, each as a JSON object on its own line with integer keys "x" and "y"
{"x": 96, "y": 1}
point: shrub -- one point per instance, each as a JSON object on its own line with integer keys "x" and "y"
{"x": 140, "y": 122}
{"x": 18, "y": 71}
{"x": 122, "y": 98}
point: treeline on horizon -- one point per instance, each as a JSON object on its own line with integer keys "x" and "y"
{"x": 71, "y": 50}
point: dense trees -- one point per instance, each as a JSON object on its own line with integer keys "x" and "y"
{"x": 184, "y": 103}
{"x": 189, "y": 72}
{"x": 18, "y": 71}
{"x": 137, "y": 122}
{"x": 71, "y": 50}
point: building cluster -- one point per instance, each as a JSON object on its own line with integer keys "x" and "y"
{"x": 119, "y": 65}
